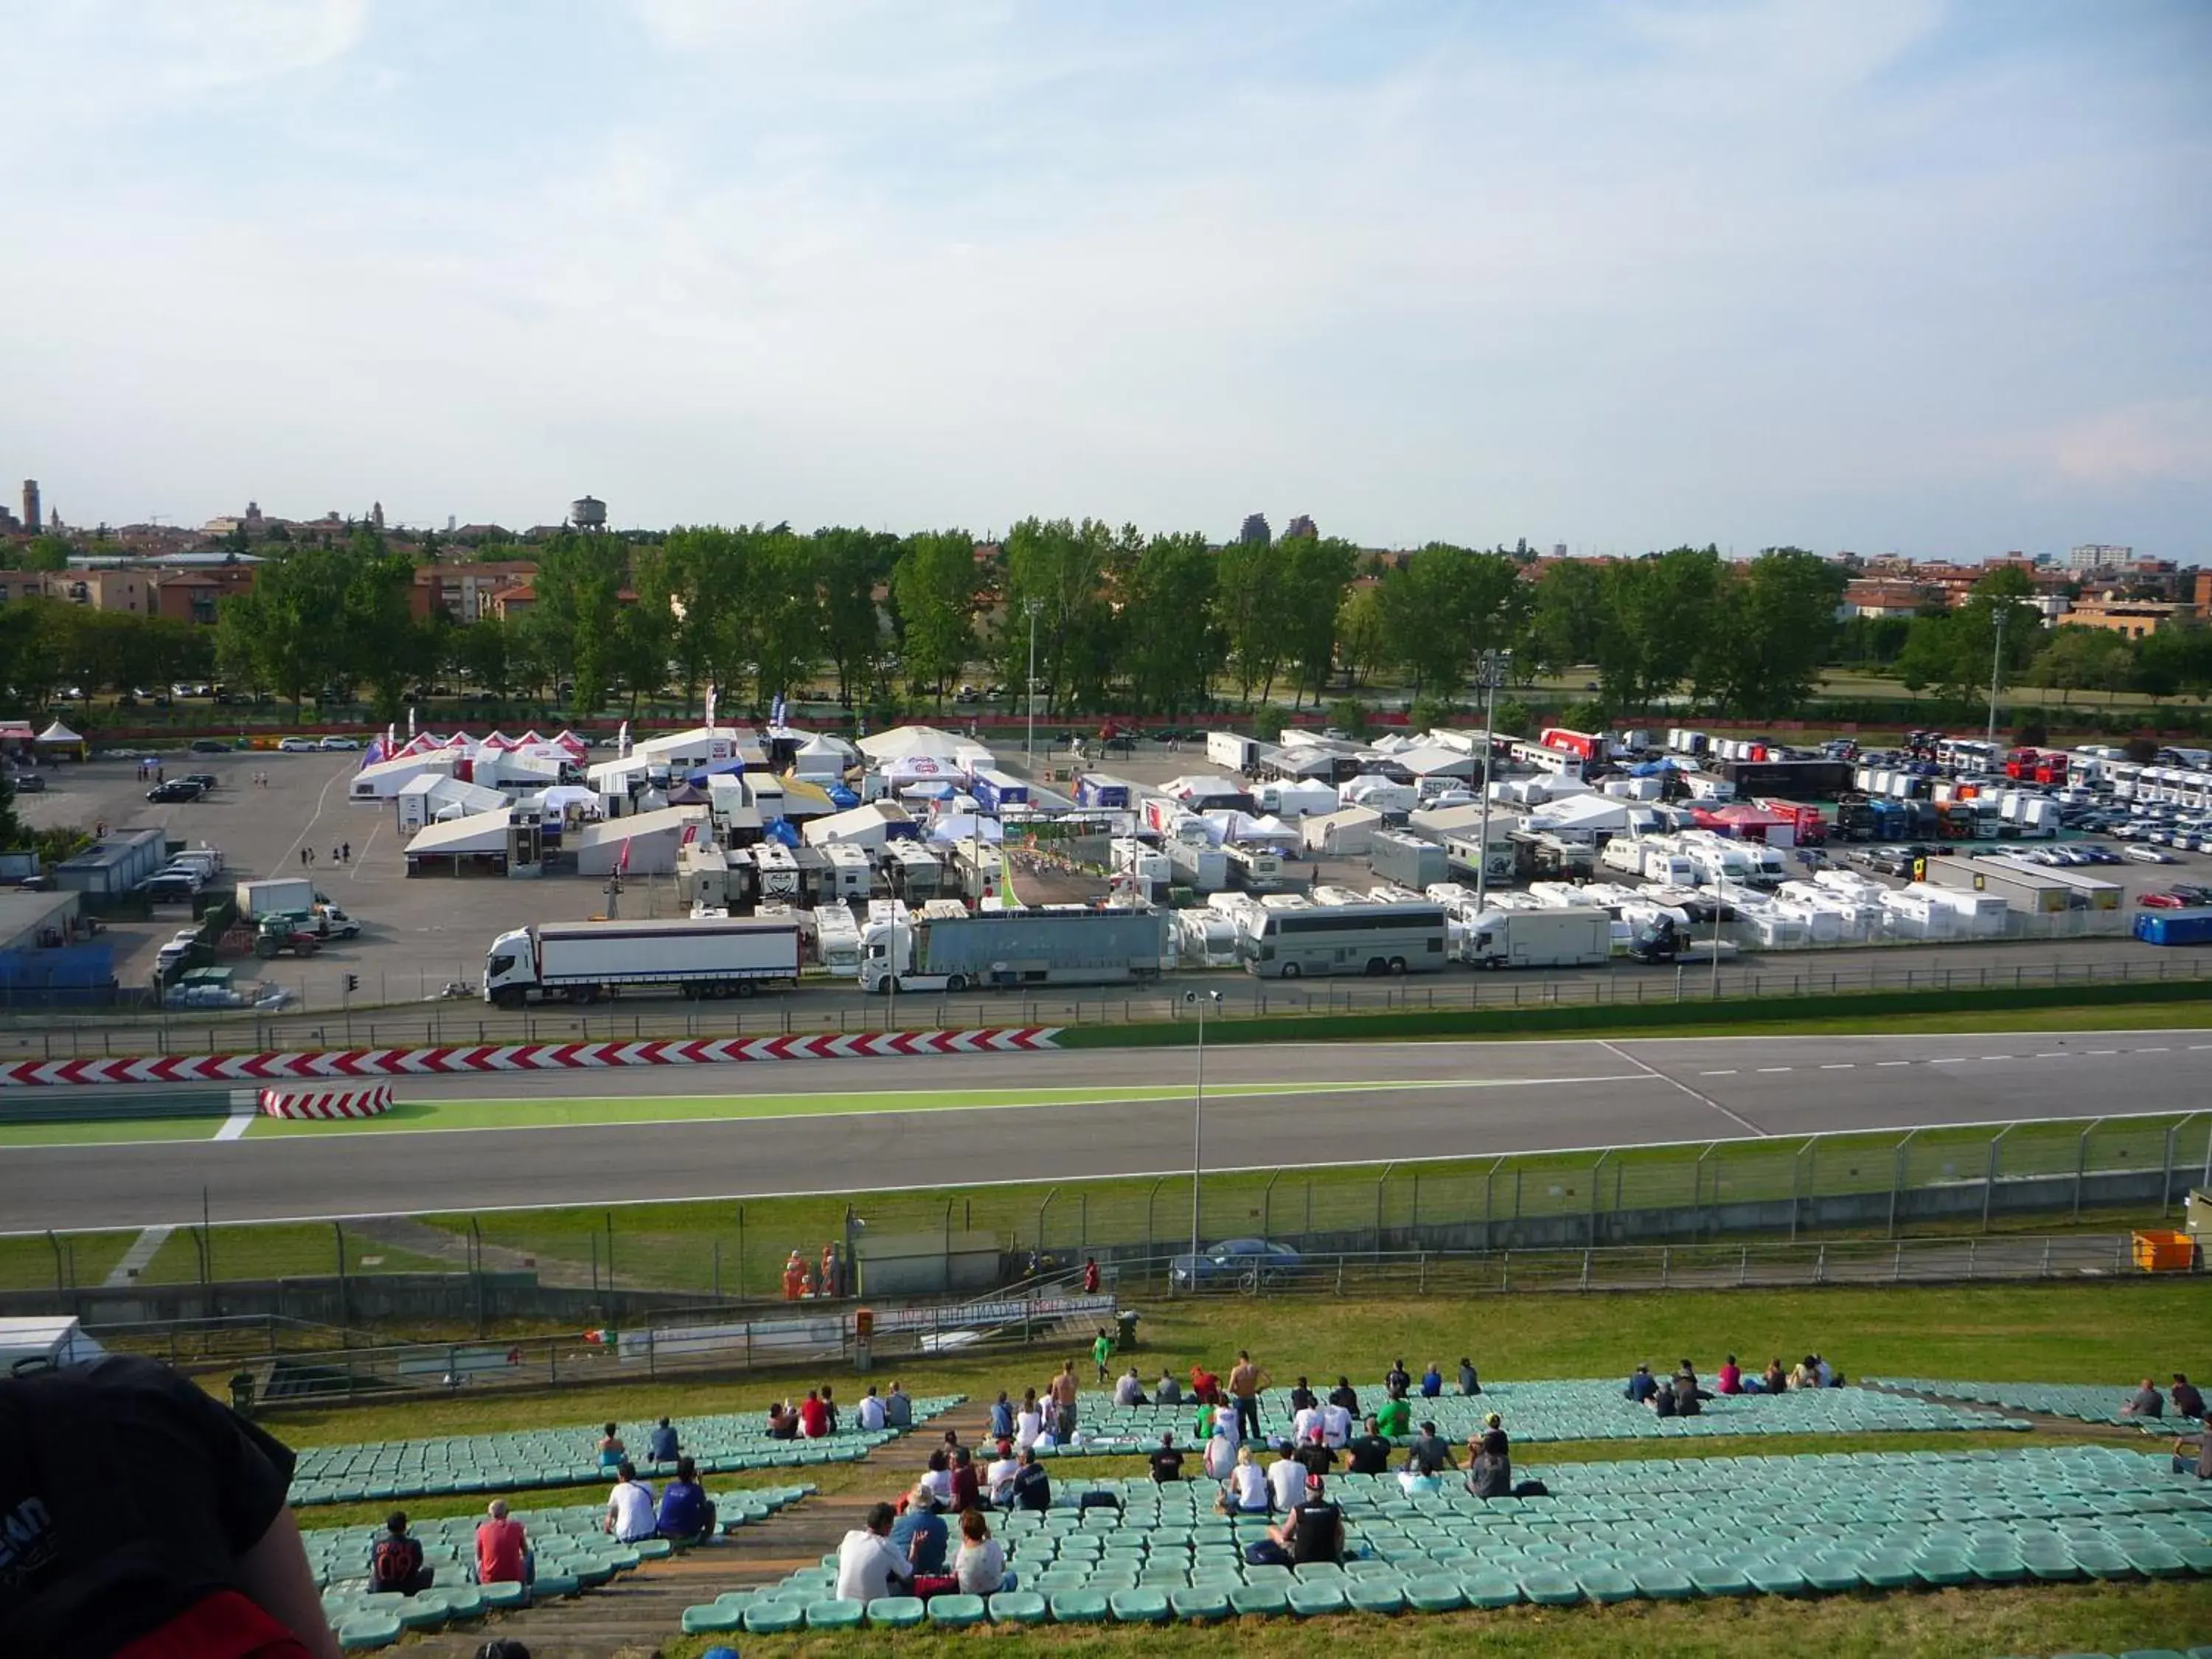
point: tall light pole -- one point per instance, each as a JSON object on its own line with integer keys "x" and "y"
{"x": 1028, "y": 688}
{"x": 1998, "y": 610}
{"x": 1720, "y": 903}
{"x": 1493, "y": 667}
{"x": 1198, "y": 1122}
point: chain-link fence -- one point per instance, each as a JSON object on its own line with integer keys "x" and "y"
{"x": 469, "y": 1022}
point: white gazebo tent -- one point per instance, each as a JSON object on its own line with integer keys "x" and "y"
{"x": 57, "y": 736}
{"x": 901, "y": 742}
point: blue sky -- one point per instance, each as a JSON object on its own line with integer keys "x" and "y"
{"x": 1883, "y": 274}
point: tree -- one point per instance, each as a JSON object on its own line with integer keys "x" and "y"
{"x": 1171, "y": 645}
{"x": 1363, "y": 638}
{"x": 1778, "y": 622}
{"x": 1248, "y": 579}
{"x": 580, "y": 583}
{"x": 934, "y": 581}
{"x": 1445, "y": 604}
{"x": 849, "y": 565}
{"x": 47, "y": 552}
{"x": 1564, "y": 622}
{"x": 2080, "y": 660}
{"x": 1315, "y": 572}
{"x": 785, "y": 611}
{"x": 281, "y": 635}
{"x": 1062, "y": 566}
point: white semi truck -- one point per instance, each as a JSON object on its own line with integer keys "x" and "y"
{"x": 1539, "y": 938}
{"x": 1014, "y": 948}
{"x": 585, "y": 961}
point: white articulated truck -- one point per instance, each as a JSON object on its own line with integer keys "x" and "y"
{"x": 1539, "y": 938}
{"x": 1014, "y": 948}
{"x": 585, "y": 961}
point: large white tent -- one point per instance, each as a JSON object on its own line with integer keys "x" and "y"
{"x": 1344, "y": 834}
{"x": 651, "y": 839}
{"x": 1433, "y": 760}
{"x": 862, "y": 826}
{"x": 902, "y": 741}
{"x": 478, "y": 835}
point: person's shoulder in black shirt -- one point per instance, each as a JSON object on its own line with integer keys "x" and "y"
{"x": 1369, "y": 1453}
{"x": 1167, "y": 1464}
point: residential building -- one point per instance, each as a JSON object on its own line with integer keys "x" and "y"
{"x": 465, "y": 590}
{"x": 1878, "y": 597}
{"x": 2098, "y": 555}
{"x": 512, "y": 604}
{"x": 2135, "y": 618}
{"x": 194, "y": 595}
{"x": 2202, "y": 595}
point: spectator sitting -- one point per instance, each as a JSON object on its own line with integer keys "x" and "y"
{"x": 1303, "y": 1398}
{"x": 395, "y": 1560}
{"x": 1489, "y": 1474}
{"x": 1689, "y": 1398}
{"x": 1369, "y": 1453}
{"x": 980, "y": 1566}
{"x": 1002, "y": 1418}
{"x": 1245, "y": 1492}
{"x": 1642, "y": 1385}
{"x": 503, "y": 1552}
{"x": 1824, "y": 1371}
{"x": 1286, "y": 1484}
{"x": 1310, "y": 1534}
{"x": 629, "y": 1514}
{"x": 829, "y": 1411}
{"x": 1130, "y": 1390}
{"x": 1335, "y": 1425}
{"x": 611, "y": 1450}
{"x": 1731, "y": 1376}
{"x": 1429, "y": 1453}
{"x": 2147, "y": 1401}
{"x": 2194, "y": 1457}
{"x": 782, "y": 1421}
{"x": 1432, "y": 1382}
{"x": 1305, "y": 1425}
{"x": 1399, "y": 1380}
{"x": 868, "y": 1415}
{"x": 1343, "y": 1394}
{"x": 1805, "y": 1373}
{"x": 937, "y": 1479}
{"x": 868, "y": 1568}
{"x": 2187, "y": 1401}
{"x": 661, "y": 1447}
{"x": 921, "y": 1534}
{"x": 1170, "y": 1392}
{"x": 1395, "y": 1416}
{"x": 1219, "y": 1454}
{"x": 813, "y": 1415}
{"x": 1493, "y": 1438}
{"x": 1774, "y": 1380}
{"x": 1315, "y": 1455}
{"x": 686, "y": 1512}
{"x": 1205, "y": 1386}
{"x": 1032, "y": 1488}
{"x": 1029, "y": 1422}
{"x": 898, "y": 1410}
{"x": 1469, "y": 1384}
{"x": 1000, "y": 1477}
{"x": 967, "y": 1487}
{"x": 1663, "y": 1401}
{"x": 1167, "y": 1462}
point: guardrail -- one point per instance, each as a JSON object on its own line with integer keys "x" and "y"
{"x": 438, "y": 1024}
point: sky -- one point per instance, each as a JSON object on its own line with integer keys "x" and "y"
{"x": 1868, "y": 274}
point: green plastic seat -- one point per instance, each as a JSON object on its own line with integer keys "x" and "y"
{"x": 550, "y": 1585}
{"x": 1713, "y": 1579}
{"x": 1832, "y": 1573}
{"x": 896, "y": 1611}
{"x": 1780, "y": 1579}
{"x": 774, "y": 1618}
{"x": 504, "y": 1595}
{"x": 427, "y": 1610}
{"x": 956, "y": 1611}
{"x": 1607, "y": 1585}
{"x": 1200, "y": 1601}
{"x": 838, "y": 1613}
{"x": 1264, "y": 1599}
{"x": 1139, "y": 1606}
{"x": 1888, "y": 1569}
{"x": 1383, "y": 1595}
{"x": 363, "y": 1631}
{"x": 1309, "y": 1600}
{"x": 1550, "y": 1589}
{"x": 1079, "y": 1606}
{"x": 1492, "y": 1590}
{"x": 1016, "y": 1608}
{"x": 1434, "y": 1593}
{"x": 712, "y": 1619}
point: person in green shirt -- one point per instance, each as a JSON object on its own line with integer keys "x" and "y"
{"x": 1100, "y": 1351}
{"x": 1393, "y": 1419}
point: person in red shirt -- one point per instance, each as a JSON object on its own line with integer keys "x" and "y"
{"x": 967, "y": 1488}
{"x": 813, "y": 1415}
{"x": 1731, "y": 1376}
{"x": 1091, "y": 1276}
{"x": 1205, "y": 1386}
{"x": 503, "y": 1554}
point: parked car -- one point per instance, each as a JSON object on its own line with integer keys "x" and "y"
{"x": 2162, "y": 902}
{"x": 207, "y": 781}
{"x": 339, "y": 743}
{"x": 2147, "y": 855}
{"x": 298, "y": 746}
{"x": 26, "y": 783}
{"x": 210, "y": 746}
{"x": 174, "y": 789}
{"x": 1246, "y": 1264}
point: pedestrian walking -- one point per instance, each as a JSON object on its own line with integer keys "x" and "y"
{"x": 346, "y": 853}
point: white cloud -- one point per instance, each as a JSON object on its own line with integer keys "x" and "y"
{"x": 2168, "y": 441}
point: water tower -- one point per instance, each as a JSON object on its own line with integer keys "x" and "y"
{"x": 588, "y": 512}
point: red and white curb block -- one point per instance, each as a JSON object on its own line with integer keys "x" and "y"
{"x": 327, "y": 1103}
{"x": 465, "y": 1061}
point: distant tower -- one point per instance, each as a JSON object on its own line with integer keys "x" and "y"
{"x": 376, "y": 513}
{"x": 254, "y": 515}
{"x": 1302, "y": 525}
{"x": 588, "y": 512}
{"x": 31, "y": 505}
{"x": 1255, "y": 530}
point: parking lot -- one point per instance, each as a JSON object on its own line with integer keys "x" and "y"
{"x": 415, "y": 935}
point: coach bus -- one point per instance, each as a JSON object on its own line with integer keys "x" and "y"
{"x": 1348, "y": 939}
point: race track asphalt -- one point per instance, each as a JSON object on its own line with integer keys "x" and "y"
{"x": 1415, "y": 1101}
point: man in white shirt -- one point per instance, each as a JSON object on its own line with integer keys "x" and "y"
{"x": 1335, "y": 1427}
{"x": 998, "y": 1478}
{"x": 1286, "y": 1484}
{"x": 1225, "y": 1425}
{"x": 631, "y": 1516}
{"x": 868, "y": 1568}
{"x": 868, "y": 1415}
{"x": 1303, "y": 1425}
{"x": 1130, "y": 1390}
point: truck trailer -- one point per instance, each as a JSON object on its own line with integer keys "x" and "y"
{"x": 275, "y": 894}
{"x": 2190, "y": 927}
{"x": 1539, "y": 938}
{"x": 1013, "y": 948}
{"x": 585, "y": 961}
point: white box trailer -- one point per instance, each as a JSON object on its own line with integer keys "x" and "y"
{"x": 1252, "y": 867}
{"x": 585, "y": 961}
{"x": 276, "y": 893}
{"x": 1539, "y": 938}
{"x": 1409, "y": 860}
{"x": 1012, "y": 949}
{"x": 1198, "y": 865}
{"x": 1229, "y": 749}
{"x": 851, "y": 873}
